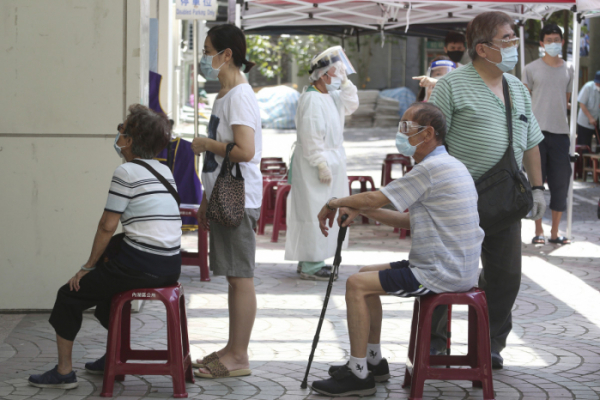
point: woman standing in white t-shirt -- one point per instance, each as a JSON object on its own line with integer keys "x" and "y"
{"x": 235, "y": 119}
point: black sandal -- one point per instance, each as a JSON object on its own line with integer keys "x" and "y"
{"x": 538, "y": 240}
{"x": 560, "y": 240}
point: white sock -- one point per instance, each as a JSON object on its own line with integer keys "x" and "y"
{"x": 374, "y": 353}
{"x": 359, "y": 367}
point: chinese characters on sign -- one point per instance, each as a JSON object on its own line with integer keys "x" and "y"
{"x": 196, "y": 9}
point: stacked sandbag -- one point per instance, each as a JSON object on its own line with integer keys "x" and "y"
{"x": 364, "y": 114}
{"x": 278, "y": 106}
{"x": 386, "y": 112}
{"x": 403, "y": 94}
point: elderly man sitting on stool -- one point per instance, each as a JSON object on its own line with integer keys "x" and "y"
{"x": 446, "y": 244}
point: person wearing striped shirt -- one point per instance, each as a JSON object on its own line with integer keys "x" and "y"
{"x": 472, "y": 100}
{"x": 444, "y": 256}
{"x": 146, "y": 256}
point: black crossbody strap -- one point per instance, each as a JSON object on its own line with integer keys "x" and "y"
{"x": 161, "y": 178}
{"x": 508, "y": 110}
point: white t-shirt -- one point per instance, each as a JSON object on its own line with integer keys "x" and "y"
{"x": 238, "y": 107}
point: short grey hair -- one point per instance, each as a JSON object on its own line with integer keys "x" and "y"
{"x": 150, "y": 131}
{"x": 483, "y": 28}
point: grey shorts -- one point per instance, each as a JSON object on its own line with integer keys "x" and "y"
{"x": 233, "y": 250}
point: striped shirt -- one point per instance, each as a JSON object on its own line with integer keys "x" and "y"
{"x": 446, "y": 238}
{"x": 150, "y": 218}
{"x": 476, "y": 118}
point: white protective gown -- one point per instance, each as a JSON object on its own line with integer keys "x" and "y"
{"x": 320, "y": 130}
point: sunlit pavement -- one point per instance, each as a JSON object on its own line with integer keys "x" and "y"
{"x": 553, "y": 351}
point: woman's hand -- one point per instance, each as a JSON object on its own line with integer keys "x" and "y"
{"x": 425, "y": 81}
{"x": 202, "y": 220}
{"x": 199, "y": 145}
{"x": 74, "y": 281}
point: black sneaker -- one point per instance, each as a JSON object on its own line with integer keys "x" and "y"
{"x": 52, "y": 379}
{"x": 436, "y": 352}
{"x": 345, "y": 383}
{"x": 381, "y": 371}
{"x": 497, "y": 361}
{"x": 96, "y": 367}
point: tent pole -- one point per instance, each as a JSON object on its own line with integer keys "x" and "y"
{"x": 238, "y": 15}
{"x": 522, "y": 45}
{"x": 195, "y": 87}
{"x": 574, "y": 104}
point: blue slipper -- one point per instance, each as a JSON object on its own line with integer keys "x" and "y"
{"x": 96, "y": 367}
{"x": 52, "y": 379}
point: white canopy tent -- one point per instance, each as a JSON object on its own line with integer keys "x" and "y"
{"x": 391, "y": 15}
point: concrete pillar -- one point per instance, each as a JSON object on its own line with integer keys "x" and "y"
{"x": 69, "y": 69}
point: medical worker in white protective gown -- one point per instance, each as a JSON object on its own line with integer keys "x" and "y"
{"x": 318, "y": 167}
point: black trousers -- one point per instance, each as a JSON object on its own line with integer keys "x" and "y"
{"x": 500, "y": 280}
{"x": 97, "y": 289}
{"x": 556, "y": 168}
{"x": 584, "y": 135}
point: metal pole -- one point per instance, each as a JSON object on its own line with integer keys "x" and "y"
{"x": 195, "y": 87}
{"x": 522, "y": 40}
{"x": 576, "y": 54}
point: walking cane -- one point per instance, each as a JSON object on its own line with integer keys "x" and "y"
{"x": 337, "y": 260}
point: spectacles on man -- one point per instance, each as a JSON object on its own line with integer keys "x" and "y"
{"x": 550, "y": 41}
{"x": 506, "y": 43}
{"x": 405, "y": 126}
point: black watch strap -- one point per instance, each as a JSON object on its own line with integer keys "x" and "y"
{"x": 542, "y": 188}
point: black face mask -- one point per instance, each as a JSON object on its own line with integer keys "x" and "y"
{"x": 456, "y": 55}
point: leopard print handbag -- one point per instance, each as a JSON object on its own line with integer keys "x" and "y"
{"x": 228, "y": 198}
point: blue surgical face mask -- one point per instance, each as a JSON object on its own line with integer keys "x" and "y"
{"x": 510, "y": 57}
{"x": 210, "y": 73}
{"x": 335, "y": 84}
{"x": 403, "y": 145}
{"x": 553, "y": 49}
{"x": 117, "y": 147}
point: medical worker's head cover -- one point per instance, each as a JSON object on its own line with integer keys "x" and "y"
{"x": 332, "y": 57}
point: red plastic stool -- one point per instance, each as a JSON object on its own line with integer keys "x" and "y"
{"x": 363, "y": 188}
{"x": 279, "y": 221}
{"x": 386, "y": 167}
{"x": 118, "y": 348}
{"x": 199, "y": 258}
{"x": 419, "y": 364}
{"x": 267, "y": 160}
{"x": 267, "y": 209}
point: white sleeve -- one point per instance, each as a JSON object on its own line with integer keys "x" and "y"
{"x": 310, "y": 128}
{"x": 346, "y": 97}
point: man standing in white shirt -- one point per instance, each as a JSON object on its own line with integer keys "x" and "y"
{"x": 550, "y": 81}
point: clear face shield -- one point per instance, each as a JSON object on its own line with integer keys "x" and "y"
{"x": 333, "y": 55}
{"x": 437, "y": 70}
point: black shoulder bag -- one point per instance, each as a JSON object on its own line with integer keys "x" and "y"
{"x": 161, "y": 178}
{"x": 504, "y": 192}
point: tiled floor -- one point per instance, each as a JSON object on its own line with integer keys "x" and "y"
{"x": 553, "y": 352}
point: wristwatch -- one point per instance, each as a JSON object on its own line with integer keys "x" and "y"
{"x": 327, "y": 204}
{"x": 542, "y": 188}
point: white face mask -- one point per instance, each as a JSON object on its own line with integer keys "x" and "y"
{"x": 553, "y": 49}
{"x": 335, "y": 84}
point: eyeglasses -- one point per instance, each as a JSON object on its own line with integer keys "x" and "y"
{"x": 506, "y": 43}
{"x": 550, "y": 41}
{"x": 405, "y": 126}
{"x": 120, "y": 129}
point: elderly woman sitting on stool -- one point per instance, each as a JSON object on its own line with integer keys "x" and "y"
{"x": 146, "y": 256}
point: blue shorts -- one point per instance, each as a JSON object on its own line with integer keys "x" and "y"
{"x": 400, "y": 281}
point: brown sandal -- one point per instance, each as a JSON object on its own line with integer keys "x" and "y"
{"x": 218, "y": 370}
{"x": 211, "y": 357}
